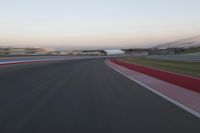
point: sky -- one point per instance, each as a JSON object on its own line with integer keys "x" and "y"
{"x": 94, "y": 24}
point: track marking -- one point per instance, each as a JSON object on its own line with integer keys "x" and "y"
{"x": 191, "y": 111}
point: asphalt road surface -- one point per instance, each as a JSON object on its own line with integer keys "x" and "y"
{"x": 83, "y": 96}
{"x": 183, "y": 57}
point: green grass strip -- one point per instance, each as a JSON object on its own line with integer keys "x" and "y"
{"x": 187, "y": 68}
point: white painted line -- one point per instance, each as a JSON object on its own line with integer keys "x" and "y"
{"x": 54, "y": 59}
{"x": 193, "y": 112}
{"x": 26, "y": 61}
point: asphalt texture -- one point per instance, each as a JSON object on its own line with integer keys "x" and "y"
{"x": 183, "y": 57}
{"x": 83, "y": 96}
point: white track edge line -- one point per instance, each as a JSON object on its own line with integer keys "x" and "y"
{"x": 193, "y": 112}
{"x": 26, "y": 61}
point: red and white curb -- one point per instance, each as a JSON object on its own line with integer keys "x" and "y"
{"x": 183, "y": 98}
{"x": 188, "y": 82}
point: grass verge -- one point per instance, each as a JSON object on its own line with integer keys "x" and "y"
{"x": 187, "y": 68}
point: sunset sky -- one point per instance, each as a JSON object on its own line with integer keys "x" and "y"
{"x": 83, "y": 24}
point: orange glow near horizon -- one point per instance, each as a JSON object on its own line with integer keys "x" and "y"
{"x": 97, "y": 24}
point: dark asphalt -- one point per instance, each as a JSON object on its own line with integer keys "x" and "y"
{"x": 181, "y": 57}
{"x": 83, "y": 96}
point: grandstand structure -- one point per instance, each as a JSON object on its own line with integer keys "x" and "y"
{"x": 177, "y": 47}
